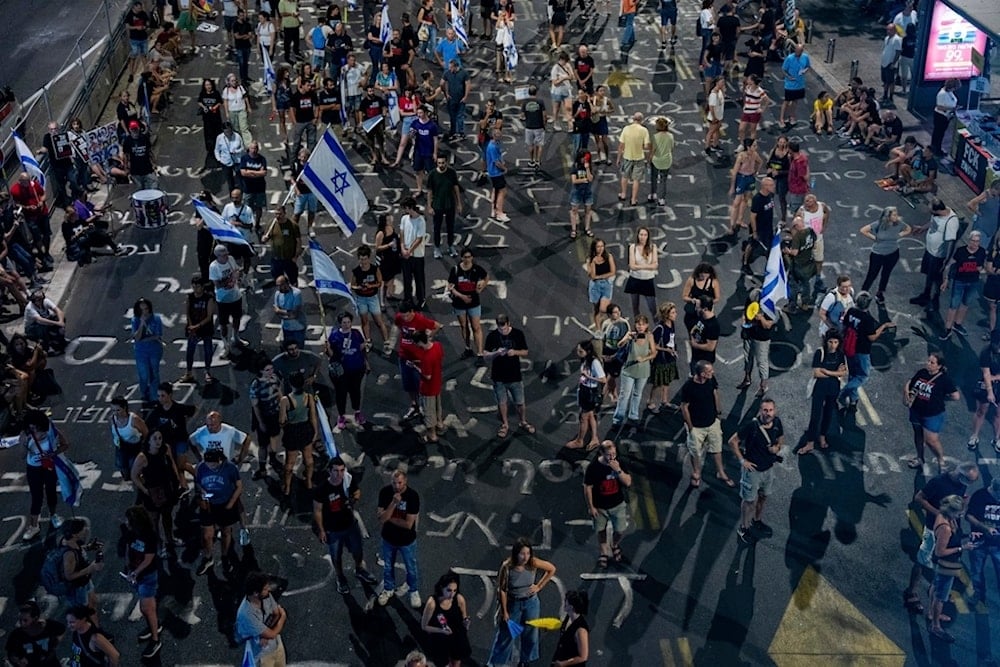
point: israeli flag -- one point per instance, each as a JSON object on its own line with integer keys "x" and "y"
{"x": 327, "y": 278}
{"x": 222, "y": 230}
{"x": 386, "y": 33}
{"x": 248, "y": 660}
{"x": 775, "y": 280}
{"x": 28, "y": 161}
{"x": 343, "y": 99}
{"x": 329, "y": 175}
{"x": 458, "y": 24}
{"x": 270, "y": 76}
{"x": 326, "y": 433}
{"x": 392, "y": 101}
{"x": 510, "y": 50}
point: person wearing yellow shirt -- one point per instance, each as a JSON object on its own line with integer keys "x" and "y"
{"x": 288, "y": 11}
{"x": 634, "y": 152}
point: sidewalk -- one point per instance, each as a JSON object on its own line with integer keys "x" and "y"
{"x": 859, "y": 37}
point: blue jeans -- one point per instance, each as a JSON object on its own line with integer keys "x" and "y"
{"x": 426, "y": 49}
{"x": 243, "y": 62}
{"x": 456, "y": 114}
{"x": 409, "y": 554}
{"x": 859, "y": 367}
{"x": 147, "y": 365}
{"x": 977, "y": 568}
{"x": 628, "y": 34}
{"x": 503, "y": 644}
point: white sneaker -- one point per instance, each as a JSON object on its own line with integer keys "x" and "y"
{"x": 415, "y": 600}
{"x": 383, "y": 598}
{"x": 502, "y": 217}
{"x": 31, "y": 533}
{"x": 56, "y": 521}
{"x": 437, "y": 253}
{"x": 402, "y": 590}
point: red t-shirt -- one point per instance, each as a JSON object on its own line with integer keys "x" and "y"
{"x": 409, "y": 350}
{"x": 432, "y": 364}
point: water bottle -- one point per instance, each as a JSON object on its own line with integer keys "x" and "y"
{"x": 812, "y": 184}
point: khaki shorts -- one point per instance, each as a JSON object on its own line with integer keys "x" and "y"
{"x": 818, "y": 249}
{"x": 634, "y": 170}
{"x": 617, "y": 516}
{"x": 534, "y": 137}
{"x": 705, "y": 439}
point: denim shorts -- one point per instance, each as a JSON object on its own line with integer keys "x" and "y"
{"x": 942, "y": 585}
{"x": 410, "y": 377}
{"x": 560, "y": 94}
{"x": 349, "y": 539}
{"x": 305, "y": 202}
{"x": 515, "y": 390}
{"x": 930, "y": 423}
{"x": 668, "y": 16}
{"x": 146, "y": 587}
{"x": 581, "y": 196}
{"x": 475, "y": 311}
{"x": 754, "y": 483}
{"x": 407, "y": 122}
{"x": 600, "y": 289}
{"x": 963, "y": 293}
{"x": 80, "y": 595}
{"x": 137, "y": 48}
{"x": 368, "y": 305}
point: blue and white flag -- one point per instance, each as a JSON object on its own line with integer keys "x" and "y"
{"x": 343, "y": 99}
{"x": 270, "y": 76}
{"x": 327, "y": 278}
{"x": 386, "y": 33}
{"x": 326, "y": 433}
{"x": 392, "y": 102}
{"x": 68, "y": 477}
{"x": 222, "y": 230}
{"x": 510, "y": 50}
{"x": 248, "y": 660}
{"x": 28, "y": 161}
{"x": 329, "y": 175}
{"x": 458, "y": 24}
{"x": 775, "y": 287}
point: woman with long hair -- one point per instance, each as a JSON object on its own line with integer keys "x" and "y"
{"x": 387, "y": 252}
{"x": 142, "y": 566}
{"x": 210, "y": 110}
{"x": 573, "y": 648}
{"x": 589, "y": 393}
{"x": 581, "y": 193}
{"x": 643, "y": 265}
{"x": 703, "y": 281}
{"x": 828, "y": 367}
{"x": 128, "y": 431}
{"x": 885, "y": 234}
{"x": 664, "y": 370}
{"x": 635, "y": 371}
{"x": 42, "y": 442}
{"x": 147, "y": 341}
{"x": 518, "y": 585}
{"x": 614, "y": 329}
{"x": 778, "y": 163}
{"x": 299, "y": 429}
{"x": 601, "y": 271}
{"x": 446, "y": 622}
{"x": 91, "y": 647}
{"x": 925, "y": 394}
{"x": 743, "y": 182}
{"x": 281, "y": 100}
{"x": 948, "y": 548}
{"x": 157, "y": 478}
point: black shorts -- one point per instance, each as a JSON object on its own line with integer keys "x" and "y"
{"x": 728, "y": 50}
{"x": 296, "y": 436}
{"x": 888, "y": 75}
{"x": 231, "y": 310}
{"x": 795, "y": 95}
{"x": 498, "y": 182}
{"x": 268, "y": 429}
{"x": 219, "y": 515}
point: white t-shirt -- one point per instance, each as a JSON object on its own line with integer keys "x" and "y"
{"x": 265, "y": 33}
{"x": 707, "y": 20}
{"x": 243, "y": 214}
{"x": 32, "y": 314}
{"x": 228, "y": 439}
{"x": 235, "y": 98}
{"x": 827, "y": 303}
{"x": 413, "y": 228}
{"x": 559, "y": 72}
{"x": 716, "y": 104}
{"x": 943, "y": 230}
{"x": 945, "y": 102}
{"x": 225, "y": 276}
{"x": 891, "y": 46}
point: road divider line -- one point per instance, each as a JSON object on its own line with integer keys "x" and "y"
{"x": 869, "y": 408}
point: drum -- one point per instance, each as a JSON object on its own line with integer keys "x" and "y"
{"x": 150, "y": 209}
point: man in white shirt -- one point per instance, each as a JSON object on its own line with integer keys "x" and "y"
{"x": 229, "y": 149}
{"x": 892, "y": 47}
{"x": 216, "y": 434}
{"x": 414, "y": 229}
{"x": 225, "y": 275}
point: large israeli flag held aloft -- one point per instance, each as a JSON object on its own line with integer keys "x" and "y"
{"x": 458, "y": 24}
{"x": 392, "y": 102}
{"x": 775, "y": 287}
{"x": 329, "y": 175}
{"x": 28, "y": 161}
{"x": 327, "y": 278}
{"x": 222, "y": 230}
{"x": 386, "y": 28}
{"x": 270, "y": 76}
{"x": 510, "y": 51}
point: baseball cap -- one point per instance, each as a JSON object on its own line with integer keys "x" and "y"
{"x": 133, "y": 125}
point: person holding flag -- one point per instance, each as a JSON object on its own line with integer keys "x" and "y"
{"x": 331, "y": 178}
{"x": 762, "y": 229}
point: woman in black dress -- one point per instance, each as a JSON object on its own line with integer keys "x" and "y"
{"x": 574, "y": 639}
{"x": 446, "y": 621}
{"x": 828, "y": 367}
{"x": 157, "y": 479}
{"x": 387, "y": 252}
{"x": 210, "y": 109}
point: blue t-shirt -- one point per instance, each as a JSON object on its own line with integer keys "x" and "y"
{"x": 449, "y": 51}
{"x": 221, "y": 483}
{"x": 348, "y": 349}
{"x": 792, "y": 67}
{"x": 149, "y": 341}
{"x": 423, "y": 136}
{"x": 493, "y": 155}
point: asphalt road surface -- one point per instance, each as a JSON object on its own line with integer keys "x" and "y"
{"x": 827, "y": 586}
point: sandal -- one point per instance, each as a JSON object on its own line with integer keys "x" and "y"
{"x": 602, "y": 562}
{"x": 695, "y": 481}
{"x": 915, "y": 463}
{"x": 616, "y": 553}
{"x": 589, "y": 232}
{"x": 805, "y": 449}
{"x": 503, "y": 430}
{"x": 912, "y": 603}
{"x": 573, "y": 444}
{"x": 572, "y": 234}
{"x": 527, "y": 428}
{"x": 593, "y": 445}
{"x": 728, "y": 481}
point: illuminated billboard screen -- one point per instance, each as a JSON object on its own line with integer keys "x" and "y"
{"x": 949, "y": 49}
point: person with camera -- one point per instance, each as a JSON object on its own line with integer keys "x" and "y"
{"x": 219, "y": 486}
{"x": 34, "y": 641}
{"x": 142, "y": 571}
{"x": 949, "y": 545}
{"x": 757, "y": 445}
{"x": 77, "y": 571}
{"x": 43, "y": 443}
{"x": 333, "y": 511}
{"x": 260, "y": 620}
{"x": 635, "y": 371}
{"x": 925, "y": 394}
{"x": 83, "y": 237}
{"x": 604, "y": 487}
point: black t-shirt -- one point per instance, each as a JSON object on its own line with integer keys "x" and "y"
{"x": 728, "y": 27}
{"x": 829, "y": 362}
{"x": 581, "y": 113}
{"x": 504, "y": 368}
{"x": 138, "y": 547}
{"x": 583, "y": 67}
{"x": 254, "y": 184}
{"x": 968, "y": 265}
{"x": 757, "y": 331}
{"x": 242, "y": 34}
{"x": 465, "y": 281}
{"x": 984, "y": 507}
{"x": 767, "y": 22}
{"x": 338, "y": 509}
{"x": 210, "y": 99}
{"x": 38, "y": 650}
{"x": 893, "y": 129}
{"x": 930, "y": 391}
{"x": 138, "y": 25}
{"x": 340, "y": 46}
{"x": 763, "y": 206}
{"x": 140, "y": 154}
{"x": 755, "y": 440}
{"x": 366, "y": 280}
{"x": 938, "y": 488}
{"x": 864, "y": 324}
{"x": 301, "y": 187}
{"x": 397, "y": 52}
{"x": 703, "y": 331}
{"x": 304, "y": 106}
{"x": 909, "y": 47}
{"x": 700, "y": 399}
{"x": 372, "y": 106}
{"x": 172, "y": 423}
{"x": 713, "y": 54}
{"x": 989, "y": 360}
{"x": 534, "y": 114}
{"x": 606, "y": 490}
{"x": 327, "y": 97}
{"x": 395, "y": 535}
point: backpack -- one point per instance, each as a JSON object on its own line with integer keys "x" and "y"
{"x": 837, "y": 311}
{"x": 850, "y": 341}
{"x": 52, "y": 578}
{"x": 318, "y": 38}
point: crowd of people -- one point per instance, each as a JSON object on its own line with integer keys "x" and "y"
{"x": 420, "y": 71}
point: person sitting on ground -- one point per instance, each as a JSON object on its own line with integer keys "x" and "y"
{"x": 845, "y": 97}
{"x": 32, "y": 361}
{"x": 168, "y": 41}
{"x": 45, "y": 323}
{"x": 919, "y": 174}
{"x": 822, "y": 113}
{"x": 83, "y": 238}
{"x": 881, "y": 137}
{"x": 901, "y": 154}
{"x": 860, "y": 114}
{"x": 88, "y": 213}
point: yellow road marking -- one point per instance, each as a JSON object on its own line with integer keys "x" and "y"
{"x": 668, "y": 653}
{"x": 622, "y": 80}
{"x": 682, "y": 68}
{"x": 647, "y": 495}
{"x": 685, "y": 650}
{"x": 869, "y": 408}
{"x": 633, "y": 505}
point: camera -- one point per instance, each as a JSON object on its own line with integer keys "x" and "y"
{"x": 641, "y": 336}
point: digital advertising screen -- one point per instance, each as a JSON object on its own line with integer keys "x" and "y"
{"x": 950, "y": 45}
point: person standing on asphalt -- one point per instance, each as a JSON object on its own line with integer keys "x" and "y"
{"x": 466, "y": 282}
{"x": 446, "y": 621}
{"x": 260, "y": 620}
{"x": 243, "y": 33}
{"x": 634, "y": 153}
{"x": 701, "y": 408}
{"x": 798, "y": 176}
{"x": 290, "y": 310}
{"x": 860, "y": 330}
{"x": 366, "y": 281}
{"x": 431, "y": 367}
{"x": 798, "y": 252}
{"x": 573, "y": 647}
{"x": 286, "y": 245}
{"x": 517, "y": 590}
{"x": 505, "y": 347}
{"x": 604, "y": 487}
{"x": 398, "y": 509}
{"x": 237, "y": 107}
{"x": 828, "y": 366}
{"x": 288, "y": 10}
{"x": 333, "y": 511}
{"x": 987, "y": 390}
{"x": 944, "y": 110}
{"x": 265, "y": 398}
{"x": 496, "y": 169}
{"x": 939, "y": 245}
{"x": 794, "y": 67}
{"x": 535, "y": 118}
{"x": 409, "y": 322}
{"x": 892, "y": 48}
{"x": 445, "y": 201}
{"x": 219, "y": 487}
{"x": 147, "y": 344}
{"x": 169, "y": 417}
{"x": 253, "y": 170}
{"x": 925, "y": 394}
{"x": 225, "y": 275}
{"x": 141, "y": 570}
{"x": 949, "y": 545}
{"x": 229, "y": 150}
{"x": 951, "y": 482}
{"x": 305, "y": 198}
{"x": 456, "y": 85}
{"x": 426, "y": 137}
{"x": 43, "y": 442}
{"x": 966, "y": 266}
{"x": 414, "y": 231}
{"x": 348, "y": 355}
{"x": 756, "y": 335}
{"x": 704, "y": 335}
{"x": 816, "y": 216}
{"x": 757, "y": 445}
{"x": 885, "y": 234}
{"x": 761, "y": 225}
{"x": 983, "y": 515}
